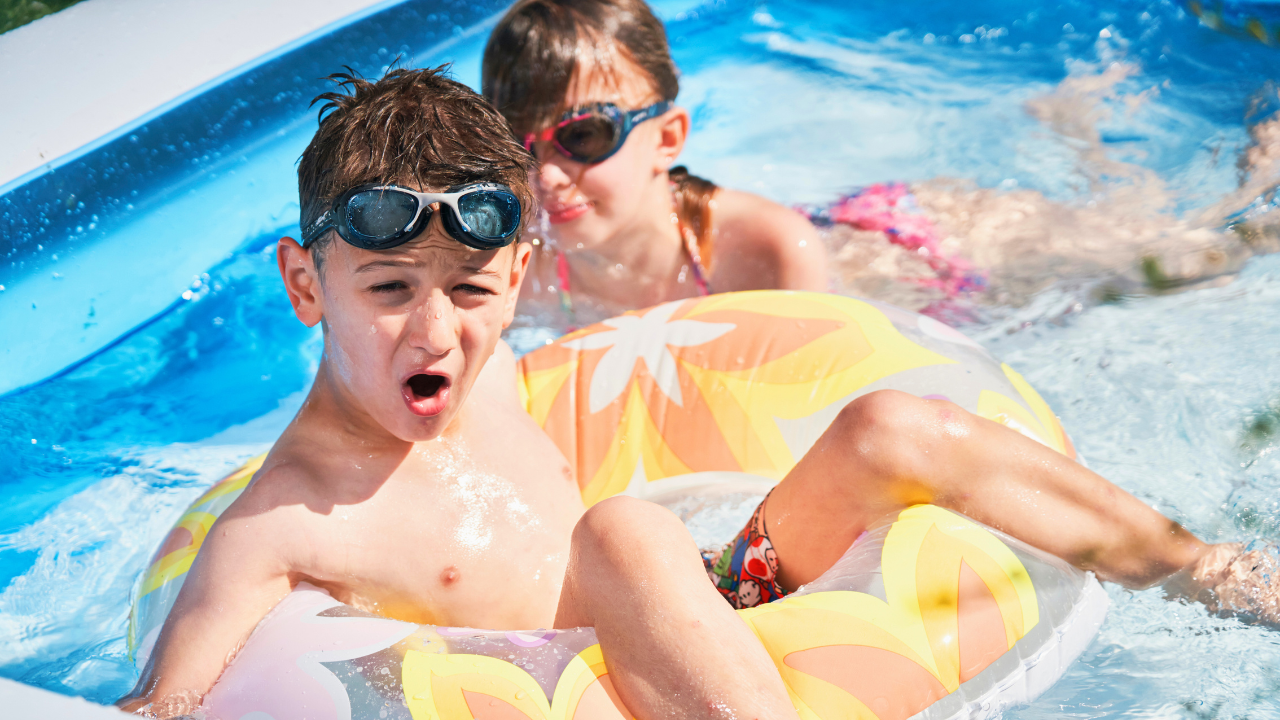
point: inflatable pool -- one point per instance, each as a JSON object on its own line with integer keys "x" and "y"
{"x": 931, "y": 613}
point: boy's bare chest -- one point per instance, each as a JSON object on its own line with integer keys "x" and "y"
{"x": 480, "y": 546}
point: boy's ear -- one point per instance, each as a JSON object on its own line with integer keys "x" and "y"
{"x": 301, "y": 281}
{"x": 519, "y": 265}
{"x": 673, "y": 130}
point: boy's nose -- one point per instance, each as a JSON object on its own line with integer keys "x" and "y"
{"x": 435, "y": 326}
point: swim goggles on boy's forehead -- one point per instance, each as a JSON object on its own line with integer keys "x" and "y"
{"x": 594, "y": 133}
{"x": 378, "y": 217}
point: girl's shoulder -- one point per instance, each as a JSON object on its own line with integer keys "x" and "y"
{"x": 756, "y": 220}
{"x": 754, "y": 233}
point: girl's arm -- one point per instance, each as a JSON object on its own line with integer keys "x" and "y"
{"x": 762, "y": 245}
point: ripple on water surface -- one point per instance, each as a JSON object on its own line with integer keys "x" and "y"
{"x": 1176, "y": 398}
{"x": 1169, "y": 397}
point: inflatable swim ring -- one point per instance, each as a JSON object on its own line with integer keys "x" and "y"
{"x": 932, "y": 613}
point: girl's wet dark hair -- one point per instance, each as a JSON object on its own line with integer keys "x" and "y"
{"x": 413, "y": 127}
{"x": 532, "y": 54}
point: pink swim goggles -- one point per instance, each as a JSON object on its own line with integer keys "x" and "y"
{"x": 594, "y": 133}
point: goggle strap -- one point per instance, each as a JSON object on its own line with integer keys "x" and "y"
{"x": 653, "y": 111}
{"x": 317, "y": 228}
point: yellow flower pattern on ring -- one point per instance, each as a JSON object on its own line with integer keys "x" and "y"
{"x": 179, "y": 561}
{"x": 788, "y": 356}
{"x": 957, "y": 598}
{"x": 479, "y": 687}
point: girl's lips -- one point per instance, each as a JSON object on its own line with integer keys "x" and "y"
{"x": 565, "y": 213}
{"x": 426, "y": 394}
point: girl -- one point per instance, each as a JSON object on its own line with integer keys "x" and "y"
{"x": 589, "y": 87}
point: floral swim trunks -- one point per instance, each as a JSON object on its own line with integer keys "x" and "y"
{"x": 745, "y": 571}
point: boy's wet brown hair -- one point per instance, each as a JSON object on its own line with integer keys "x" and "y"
{"x": 533, "y": 52}
{"x": 418, "y": 128}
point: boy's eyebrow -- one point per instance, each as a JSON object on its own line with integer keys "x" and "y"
{"x": 410, "y": 262}
{"x": 398, "y": 262}
{"x": 478, "y": 270}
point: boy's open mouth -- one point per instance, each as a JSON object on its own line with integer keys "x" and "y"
{"x": 426, "y": 394}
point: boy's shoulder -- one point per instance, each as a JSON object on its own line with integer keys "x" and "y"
{"x": 288, "y": 473}
{"x": 496, "y": 383}
{"x": 288, "y": 483}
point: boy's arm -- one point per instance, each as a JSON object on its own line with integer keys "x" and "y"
{"x": 239, "y": 575}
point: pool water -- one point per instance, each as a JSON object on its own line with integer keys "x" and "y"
{"x": 1175, "y": 397}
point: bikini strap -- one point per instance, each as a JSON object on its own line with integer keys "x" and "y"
{"x": 566, "y": 296}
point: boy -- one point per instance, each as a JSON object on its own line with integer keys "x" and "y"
{"x": 413, "y": 437}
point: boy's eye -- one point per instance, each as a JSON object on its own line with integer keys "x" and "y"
{"x": 474, "y": 289}
{"x": 388, "y": 287}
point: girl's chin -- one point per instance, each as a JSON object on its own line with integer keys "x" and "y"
{"x": 585, "y": 234}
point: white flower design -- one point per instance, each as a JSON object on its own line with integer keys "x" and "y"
{"x": 648, "y": 337}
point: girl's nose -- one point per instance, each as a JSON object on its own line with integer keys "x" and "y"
{"x": 551, "y": 175}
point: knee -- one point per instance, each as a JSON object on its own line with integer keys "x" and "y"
{"x": 899, "y": 433}
{"x": 613, "y": 530}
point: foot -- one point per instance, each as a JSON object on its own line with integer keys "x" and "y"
{"x": 1235, "y": 579}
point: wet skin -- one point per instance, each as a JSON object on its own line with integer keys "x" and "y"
{"x": 613, "y": 218}
{"x": 411, "y": 482}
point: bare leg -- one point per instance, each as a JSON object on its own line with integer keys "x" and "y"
{"x": 888, "y": 450}
{"x": 674, "y": 647}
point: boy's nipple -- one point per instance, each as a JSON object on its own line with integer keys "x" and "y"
{"x": 449, "y": 576}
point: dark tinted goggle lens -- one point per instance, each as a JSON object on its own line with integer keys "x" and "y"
{"x": 490, "y": 214}
{"x": 589, "y": 137}
{"x": 380, "y": 214}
